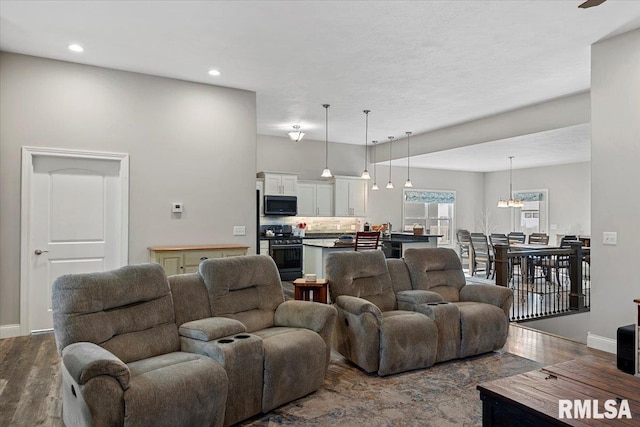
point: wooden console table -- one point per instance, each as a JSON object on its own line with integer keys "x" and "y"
{"x": 532, "y": 398}
{"x": 186, "y": 259}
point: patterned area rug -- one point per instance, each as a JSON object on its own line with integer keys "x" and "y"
{"x": 443, "y": 395}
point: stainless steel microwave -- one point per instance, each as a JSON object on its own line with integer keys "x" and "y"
{"x": 280, "y": 205}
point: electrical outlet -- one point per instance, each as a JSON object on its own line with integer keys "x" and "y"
{"x": 177, "y": 207}
{"x": 610, "y": 238}
{"x": 239, "y": 230}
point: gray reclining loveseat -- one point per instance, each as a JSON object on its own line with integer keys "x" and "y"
{"x": 121, "y": 358}
{"x": 376, "y": 296}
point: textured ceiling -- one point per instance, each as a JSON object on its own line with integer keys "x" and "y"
{"x": 418, "y": 65}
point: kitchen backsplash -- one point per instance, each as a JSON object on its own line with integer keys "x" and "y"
{"x": 319, "y": 224}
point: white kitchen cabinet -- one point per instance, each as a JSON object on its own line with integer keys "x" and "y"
{"x": 315, "y": 199}
{"x": 280, "y": 184}
{"x": 350, "y": 196}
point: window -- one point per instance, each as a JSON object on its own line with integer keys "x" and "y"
{"x": 434, "y": 210}
{"x": 532, "y": 217}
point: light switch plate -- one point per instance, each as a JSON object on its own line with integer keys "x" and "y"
{"x": 176, "y": 207}
{"x": 239, "y": 230}
{"x": 610, "y": 238}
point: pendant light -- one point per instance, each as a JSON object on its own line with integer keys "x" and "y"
{"x": 365, "y": 172}
{"x": 296, "y": 134}
{"x": 408, "y": 183}
{"x": 511, "y": 202}
{"x": 375, "y": 180}
{"x": 326, "y": 173}
{"x": 390, "y": 184}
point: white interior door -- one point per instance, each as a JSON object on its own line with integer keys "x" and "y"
{"x": 77, "y": 223}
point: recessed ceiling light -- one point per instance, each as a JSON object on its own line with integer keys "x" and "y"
{"x": 214, "y": 72}
{"x": 76, "y": 47}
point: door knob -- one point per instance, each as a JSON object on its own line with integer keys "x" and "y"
{"x": 39, "y": 251}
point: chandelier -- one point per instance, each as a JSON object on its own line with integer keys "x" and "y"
{"x": 511, "y": 202}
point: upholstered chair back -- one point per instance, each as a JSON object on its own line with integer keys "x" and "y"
{"x": 361, "y": 274}
{"x": 190, "y": 297}
{"x": 399, "y": 274}
{"x": 436, "y": 269}
{"x": 128, "y": 311}
{"x": 245, "y": 288}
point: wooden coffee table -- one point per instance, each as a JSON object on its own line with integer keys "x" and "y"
{"x": 533, "y": 398}
{"x": 311, "y": 291}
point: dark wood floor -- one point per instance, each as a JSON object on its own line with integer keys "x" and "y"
{"x": 30, "y": 375}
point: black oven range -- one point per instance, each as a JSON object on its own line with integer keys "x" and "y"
{"x": 285, "y": 249}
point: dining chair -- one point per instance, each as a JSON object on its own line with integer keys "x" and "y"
{"x": 538, "y": 239}
{"x": 366, "y": 240}
{"x": 464, "y": 244}
{"x": 498, "y": 238}
{"x": 516, "y": 237}
{"x": 536, "y": 261}
{"x": 481, "y": 253}
{"x": 560, "y": 262}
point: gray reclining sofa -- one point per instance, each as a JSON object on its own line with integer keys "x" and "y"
{"x": 204, "y": 349}
{"x": 233, "y": 311}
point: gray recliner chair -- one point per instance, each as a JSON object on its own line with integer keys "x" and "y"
{"x": 475, "y": 321}
{"x": 274, "y": 351}
{"x": 121, "y": 358}
{"x": 370, "y": 331}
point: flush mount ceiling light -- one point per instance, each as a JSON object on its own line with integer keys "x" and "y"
{"x": 75, "y": 47}
{"x": 375, "y": 185}
{"x": 511, "y": 202}
{"x": 214, "y": 73}
{"x": 296, "y": 135}
{"x": 408, "y": 183}
{"x": 326, "y": 173}
{"x": 365, "y": 172}
{"x": 389, "y": 185}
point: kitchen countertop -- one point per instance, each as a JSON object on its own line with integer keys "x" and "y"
{"x": 331, "y": 245}
{"x": 326, "y": 235}
{"x": 409, "y": 237}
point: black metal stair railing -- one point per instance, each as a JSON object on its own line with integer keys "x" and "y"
{"x": 545, "y": 282}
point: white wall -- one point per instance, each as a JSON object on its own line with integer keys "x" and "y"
{"x": 569, "y": 196}
{"x": 615, "y": 153}
{"x": 307, "y": 157}
{"x": 573, "y": 326}
{"x": 188, "y": 142}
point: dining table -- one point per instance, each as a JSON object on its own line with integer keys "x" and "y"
{"x": 527, "y": 266}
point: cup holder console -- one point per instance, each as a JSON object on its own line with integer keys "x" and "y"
{"x": 238, "y": 337}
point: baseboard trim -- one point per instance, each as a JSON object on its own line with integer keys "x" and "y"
{"x": 602, "y": 343}
{"x": 9, "y": 331}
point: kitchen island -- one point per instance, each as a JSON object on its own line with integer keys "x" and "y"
{"x": 395, "y": 244}
{"x": 315, "y": 253}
